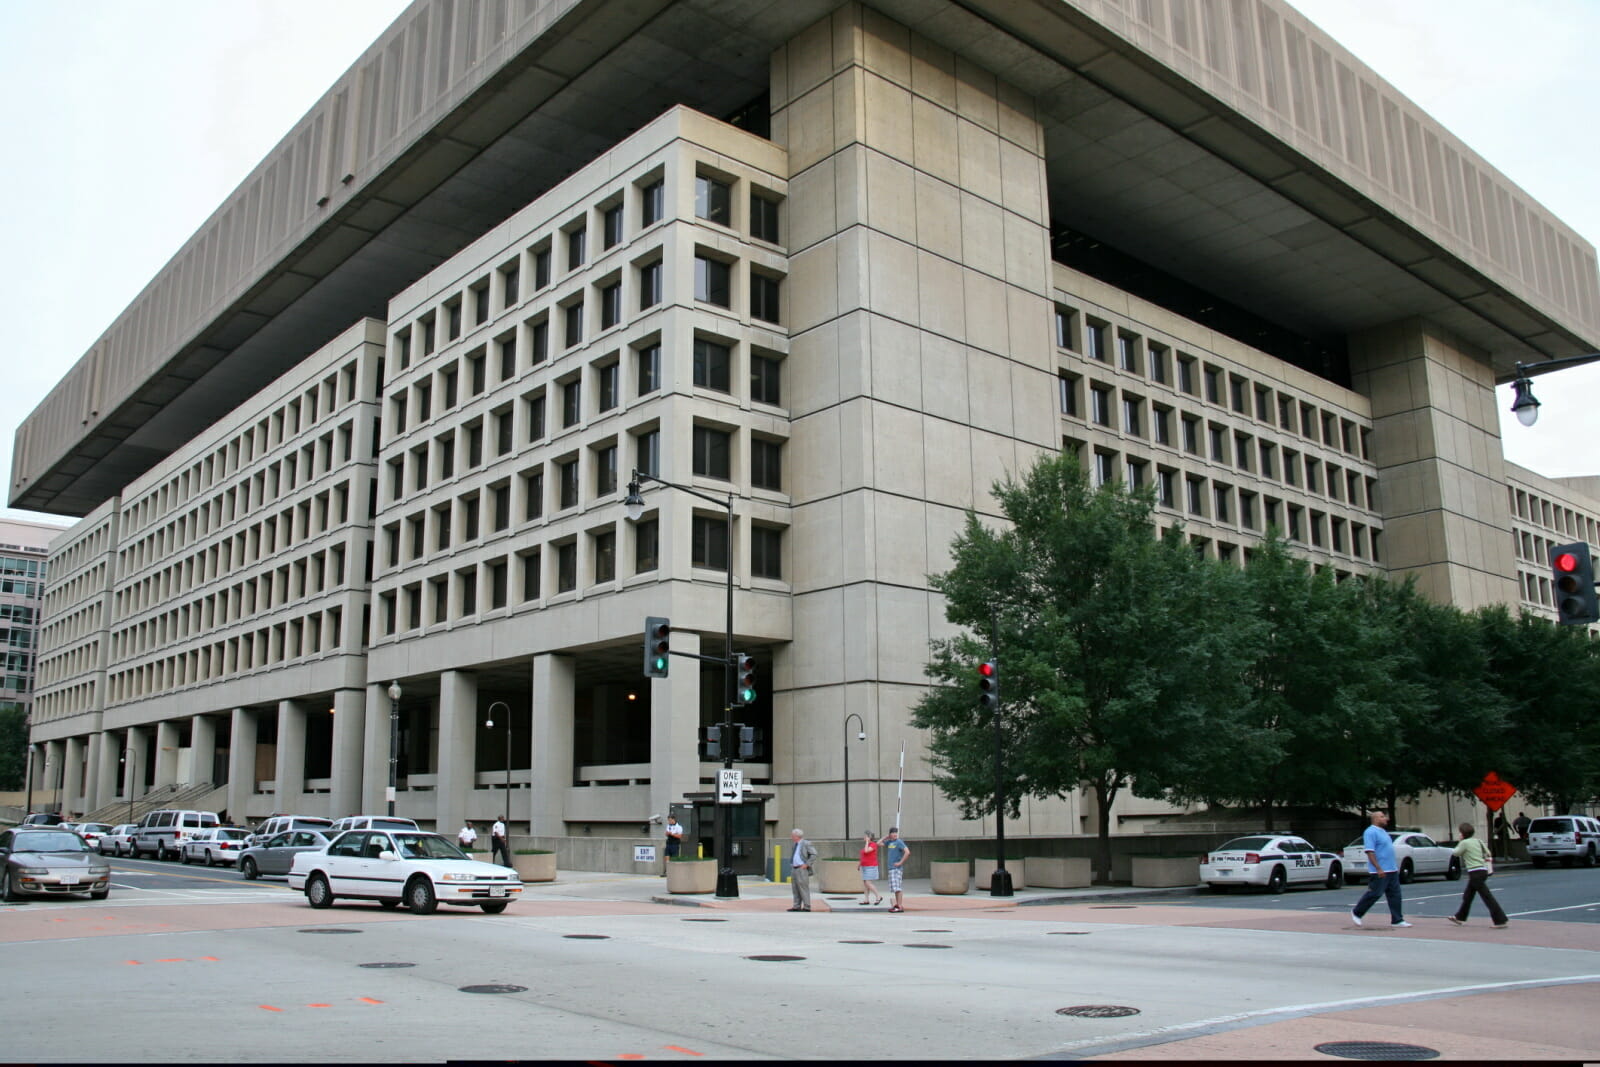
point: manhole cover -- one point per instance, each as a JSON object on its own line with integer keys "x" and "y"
{"x": 496, "y": 988}
{"x": 774, "y": 959}
{"x": 1098, "y": 1011}
{"x": 381, "y": 965}
{"x": 930, "y": 931}
{"x": 838, "y": 898}
{"x": 927, "y": 946}
{"x": 1068, "y": 933}
{"x": 330, "y": 930}
{"x": 861, "y": 942}
{"x": 1377, "y": 1050}
{"x": 587, "y": 937}
{"x": 705, "y": 920}
{"x": 1110, "y": 907}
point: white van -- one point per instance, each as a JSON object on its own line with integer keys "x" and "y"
{"x": 370, "y": 822}
{"x": 1567, "y": 838}
{"x": 162, "y": 833}
{"x": 277, "y": 824}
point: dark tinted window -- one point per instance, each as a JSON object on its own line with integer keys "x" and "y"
{"x": 1244, "y": 844}
{"x": 1550, "y": 826}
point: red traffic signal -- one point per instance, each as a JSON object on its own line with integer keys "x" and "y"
{"x": 1572, "y": 572}
{"x": 989, "y": 684}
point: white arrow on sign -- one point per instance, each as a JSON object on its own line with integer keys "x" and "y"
{"x": 730, "y": 786}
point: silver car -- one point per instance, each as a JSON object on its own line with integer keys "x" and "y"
{"x": 276, "y": 854}
{"x": 49, "y": 862}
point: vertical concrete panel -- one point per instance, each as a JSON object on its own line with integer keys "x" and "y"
{"x": 203, "y": 746}
{"x": 349, "y": 730}
{"x": 290, "y": 772}
{"x": 674, "y": 728}
{"x": 241, "y": 763}
{"x": 166, "y": 754}
{"x": 377, "y": 750}
{"x": 108, "y": 753}
{"x": 551, "y": 756}
{"x": 458, "y": 702}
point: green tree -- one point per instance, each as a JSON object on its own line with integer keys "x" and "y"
{"x": 13, "y": 745}
{"x": 1119, "y": 652}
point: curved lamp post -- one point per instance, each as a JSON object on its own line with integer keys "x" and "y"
{"x": 1524, "y": 405}
{"x": 33, "y": 754}
{"x": 489, "y": 722}
{"x": 861, "y": 735}
{"x": 394, "y": 741}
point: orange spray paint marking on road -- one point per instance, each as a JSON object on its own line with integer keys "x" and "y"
{"x": 685, "y": 1051}
{"x": 268, "y": 1007}
{"x": 319, "y": 1005}
{"x": 174, "y": 959}
{"x": 134, "y": 963}
{"x": 369, "y": 1000}
{"x": 211, "y": 959}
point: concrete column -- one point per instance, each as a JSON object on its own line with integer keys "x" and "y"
{"x": 349, "y": 727}
{"x": 107, "y": 753}
{"x": 54, "y": 753}
{"x": 375, "y": 751}
{"x": 674, "y": 728}
{"x": 203, "y": 748}
{"x": 166, "y": 754}
{"x": 241, "y": 763}
{"x": 554, "y": 689}
{"x": 137, "y": 746}
{"x": 458, "y": 703}
{"x": 290, "y": 771}
{"x": 73, "y": 786}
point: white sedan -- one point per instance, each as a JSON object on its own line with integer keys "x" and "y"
{"x": 214, "y": 845}
{"x": 1272, "y": 861}
{"x": 1416, "y": 853}
{"x": 421, "y": 870}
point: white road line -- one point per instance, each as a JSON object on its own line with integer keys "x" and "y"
{"x": 1569, "y": 907}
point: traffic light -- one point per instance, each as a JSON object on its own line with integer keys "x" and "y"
{"x": 710, "y": 743}
{"x": 989, "y": 685}
{"x": 657, "y": 644}
{"x": 749, "y": 742}
{"x": 744, "y": 681}
{"x": 1573, "y": 571}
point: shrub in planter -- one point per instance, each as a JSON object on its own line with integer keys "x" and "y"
{"x": 534, "y": 864}
{"x": 691, "y": 874}
{"x": 948, "y": 877}
{"x": 838, "y": 874}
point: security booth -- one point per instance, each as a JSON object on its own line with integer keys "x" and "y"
{"x": 749, "y": 828}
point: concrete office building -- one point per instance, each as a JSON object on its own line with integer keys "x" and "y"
{"x": 843, "y": 264}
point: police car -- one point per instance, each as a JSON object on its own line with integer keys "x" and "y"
{"x": 1270, "y": 861}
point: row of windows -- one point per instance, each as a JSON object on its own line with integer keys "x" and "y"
{"x": 1216, "y": 501}
{"x": 83, "y": 588}
{"x": 17, "y": 637}
{"x": 64, "y": 629}
{"x": 1182, "y": 372}
{"x": 22, "y": 568}
{"x": 523, "y": 576}
{"x": 1178, "y": 430}
{"x": 66, "y": 701}
{"x": 1568, "y": 524}
{"x": 21, "y": 587}
{"x": 88, "y": 545}
{"x": 714, "y": 202}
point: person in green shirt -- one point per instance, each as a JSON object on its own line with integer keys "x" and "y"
{"x": 1477, "y": 861}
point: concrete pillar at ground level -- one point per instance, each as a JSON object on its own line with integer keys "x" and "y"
{"x": 107, "y": 754}
{"x": 349, "y": 726}
{"x": 458, "y": 724}
{"x": 166, "y": 754}
{"x": 241, "y": 764}
{"x": 675, "y": 729}
{"x": 73, "y": 783}
{"x": 203, "y": 748}
{"x": 290, "y": 772}
{"x": 54, "y": 753}
{"x": 136, "y": 750}
{"x": 554, "y": 686}
{"x": 377, "y": 749}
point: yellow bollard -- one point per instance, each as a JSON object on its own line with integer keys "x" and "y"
{"x": 778, "y": 873}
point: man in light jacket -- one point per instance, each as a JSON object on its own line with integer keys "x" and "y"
{"x": 801, "y": 857}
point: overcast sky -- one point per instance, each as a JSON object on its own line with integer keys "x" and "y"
{"x": 128, "y": 124}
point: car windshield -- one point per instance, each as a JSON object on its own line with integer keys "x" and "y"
{"x": 49, "y": 842}
{"x": 1360, "y": 842}
{"x": 232, "y": 833}
{"x": 1244, "y": 844}
{"x": 427, "y": 847}
{"x": 94, "y": 827}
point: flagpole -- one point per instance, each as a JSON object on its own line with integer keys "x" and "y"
{"x": 899, "y": 790}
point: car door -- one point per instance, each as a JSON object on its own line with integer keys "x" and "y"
{"x": 1427, "y": 855}
{"x": 1305, "y": 862}
{"x": 346, "y": 864}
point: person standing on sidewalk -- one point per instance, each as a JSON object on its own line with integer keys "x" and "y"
{"x": 800, "y": 861}
{"x": 867, "y": 864}
{"x": 1477, "y": 861}
{"x": 466, "y": 837}
{"x": 1383, "y": 873}
{"x": 497, "y": 840}
{"x": 896, "y": 852}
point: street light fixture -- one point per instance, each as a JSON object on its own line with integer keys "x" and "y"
{"x": 489, "y": 722}
{"x": 633, "y": 503}
{"x": 861, "y": 735}
{"x": 1523, "y": 403}
{"x": 394, "y": 741}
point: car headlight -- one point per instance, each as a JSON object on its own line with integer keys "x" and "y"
{"x": 37, "y": 871}
{"x": 458, "y": 876}
{"x": 99, "y": 872}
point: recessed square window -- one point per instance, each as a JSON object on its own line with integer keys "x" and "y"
{"x": 713, "y": 281}
{"x": 711, "y": 365}
{"x": 712, "y": 200}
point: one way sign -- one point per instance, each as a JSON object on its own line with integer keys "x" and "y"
{"x": 730, "y": 786}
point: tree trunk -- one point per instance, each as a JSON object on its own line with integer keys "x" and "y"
{"x": 1267, "y": 804}
{"x": 1103, "y": 796}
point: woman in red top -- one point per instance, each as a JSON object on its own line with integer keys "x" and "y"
{"x": 868, "y": 865}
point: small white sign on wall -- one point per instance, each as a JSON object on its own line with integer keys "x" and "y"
{"x": 644, "y": 853}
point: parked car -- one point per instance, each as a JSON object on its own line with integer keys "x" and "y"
{"x": 1271, "y": 861}
{"x": 275, "y": 854}
{"x": 43, "y": 818}
{"x": 1417, "y": 854}
{"x": 45, "y": 861}
{"x": 421, "y": 870}
{"x": 162, "y": 833}
{"x": 1568, "y": 838}
{"x": 278, "y": 823}
{"x": 217, "y": 844}
{"x": 370, "y": 822}
{"x": 92, "y": 832}
{"x": 119, "y": 841}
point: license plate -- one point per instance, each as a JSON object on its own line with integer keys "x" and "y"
{"x": 497, "y": 891}
{"x": 69, "y": 879}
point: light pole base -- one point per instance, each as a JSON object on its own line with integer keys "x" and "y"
{"x": 727, "y": 883}
{"x": 1000, "y": 883}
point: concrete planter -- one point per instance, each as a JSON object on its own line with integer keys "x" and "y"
{"x": 949, "y": 877}
{"x": 837, "y": 876}
{"x": 1159, "y": 871}
{"x": 535, "y": 866}
{"x": 1059, "y": 872}
{"x": 983, "y": 872}
{"x": 691, "y": 876}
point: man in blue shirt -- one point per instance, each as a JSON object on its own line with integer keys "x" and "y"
{"x": 1383, "y": 873}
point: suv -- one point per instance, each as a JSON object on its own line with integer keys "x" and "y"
{"x": 369, "y": 822}
{"x": 163, "y": 832}
{"x": 277, "y": 824}
{"x": 1568, "y": 838}
{"x": 43, "y": 818}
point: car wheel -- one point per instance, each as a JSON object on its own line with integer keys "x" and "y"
{"x": 1588, "y": 858}
{"x": 247, "y": 867}
{"x": 494, "y": 909}
{"x": 318, "y": 895}
{"x": 1278, "y": 882}
{"x": 389, "y": 903}
{"x": 184, "y": 859}
{"x": 1407, "y": 872}
{"x": 1454, "y": 873}
{"x": 7, "y": 894}
{"x": 1335, "y": 877}
{"x": 211, "y": 861}
{"x": 420, "y": 897}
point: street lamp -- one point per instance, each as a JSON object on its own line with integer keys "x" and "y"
{"x": 1524, "y": 405}
{"x": 861, "y": 735}
{"x": 127, "y": 776}
{"x": 33, "y": 754}
{"x": 394, "y": 741}
{"x": 633, "y": 503}
{"x": 489, "y": 722}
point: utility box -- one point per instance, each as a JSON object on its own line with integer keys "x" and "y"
{"x": 749, "y": 828}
